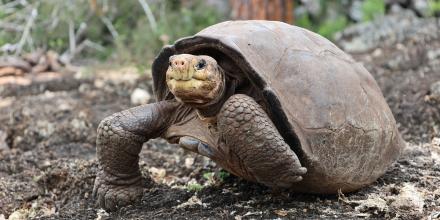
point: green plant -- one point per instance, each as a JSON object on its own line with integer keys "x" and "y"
{"x": 329, "y": 20}
{"x": 434, "y": 7}
{"x": 194, "y": 187}
{"x": 208, "y": 175}
{"x": 303, "y": 21}
{"x": 174, "y": 20}
{"x": 372, "y": 8}
{"x": 222, "y": 175}
{"x": 123, "y": 31}
{"x": 331, "y": 26}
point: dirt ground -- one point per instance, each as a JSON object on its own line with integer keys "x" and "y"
{"x": 48, "y": 131}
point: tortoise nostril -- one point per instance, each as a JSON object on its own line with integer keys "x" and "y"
{"x": 179, "y": 63}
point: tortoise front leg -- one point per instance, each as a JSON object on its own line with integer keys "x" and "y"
{"x": 253, "y": 147}
{"x": 119, "y": 142}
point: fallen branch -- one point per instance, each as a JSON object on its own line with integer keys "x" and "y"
{"x": 72, "y": 41}
{"x": 67, "y": 56}
{"x": 11, "y": 26}
{"x": 149, "y": 14}
{"x": 27, "y": 29}
{"x": 110, "y": 27}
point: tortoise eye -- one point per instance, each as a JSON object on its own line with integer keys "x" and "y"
{"x": 201, "y": 64}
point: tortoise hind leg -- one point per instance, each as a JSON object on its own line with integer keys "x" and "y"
{"x": 253, "y": 147}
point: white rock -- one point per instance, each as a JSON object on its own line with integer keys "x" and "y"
{"x": 140, "y": 96}
{"x": 191, "y": 202}
{"x": 435, "y": 90}
{"x": 19, "y": 214}
{"x": 3, "y": 144}
{"x": 101, "y": 214}
{"x": 189, "y": 162}
{"x": 157, "y": 174}
{"x": 45, "y": 128}
{"x": 374, "y": 202}
{"x": 409, "y": 199}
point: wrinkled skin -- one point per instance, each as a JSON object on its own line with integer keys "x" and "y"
{"x": 206, "y": 118}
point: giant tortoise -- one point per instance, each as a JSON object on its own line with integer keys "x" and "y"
{"x": 267, "y": 101}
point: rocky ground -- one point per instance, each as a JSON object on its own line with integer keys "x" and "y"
{"x": 48, "y": 129}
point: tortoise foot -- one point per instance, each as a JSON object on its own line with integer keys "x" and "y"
{"x": 112, "y": 194}
{"x": 255, "y": 149}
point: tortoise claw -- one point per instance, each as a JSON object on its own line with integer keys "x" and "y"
{"x": 112, "y": 196}
{"x": 195, "y": 145}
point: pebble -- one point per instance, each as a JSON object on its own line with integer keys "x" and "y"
{"x": 3, "y": 144}
{"x": 435, "y": 91}
{"x": 374, "y": 202}
{"x": 140, "y": 97}
{"x": 189, "y": 162}
{"x": 194, "y": 200}
{"x": 409, "y": 199}
{"x": 19, "y": 215}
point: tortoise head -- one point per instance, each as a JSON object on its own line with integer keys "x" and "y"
{"x": 195, "y": 80}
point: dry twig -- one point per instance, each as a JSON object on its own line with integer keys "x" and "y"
{"x": 149, "y": 14}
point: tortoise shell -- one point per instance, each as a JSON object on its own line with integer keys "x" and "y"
{"x": 327, "y": 107}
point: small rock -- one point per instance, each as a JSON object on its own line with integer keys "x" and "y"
{"x": 64, "y": 107}
{"x": 281, "y": 212}
{"x": 422, "y": 6}
{"x": 101, "y": 214}
{"x": 435, "y": 91}
{"x": 258, "y": 213}
{"x": 140, "y": 97}
{"x": 433, "y": 54}
{"x": 436, "y": 142}
{"x": 3, "y": 144}
{"x": 45, "y": 128}
{"x": 434, "y": 215}
{"x": 157, "y": 174}
{"x": 78, "y": 124}
{"x": 19, "y": 215}
{"x": 373, "y": 203}
{"x": 99, "y": 83}
{"x": 189, "y": 161}
{"x": 377, "y": 52}
{"x": 409, "y": 199}
{"x": 191, "y": 202}
{"x": 84, "y": 88}
{"x": 6, "y": 102}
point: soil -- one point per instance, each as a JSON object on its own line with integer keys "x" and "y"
{"x": 48, "y": 162}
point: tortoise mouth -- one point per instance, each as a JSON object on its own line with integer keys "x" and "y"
{"x": 194, "y": 91}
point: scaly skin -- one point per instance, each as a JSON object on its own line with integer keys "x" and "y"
{"x": 243, "y": 141}
{"x": 119, "y": 142}
{"x": 253, "y": 147}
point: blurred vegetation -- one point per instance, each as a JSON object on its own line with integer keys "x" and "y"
{"x": 332, "y": 16}
{"x": 126, "y": 31}
{"x": 134, "y": 31}
{"x": 434, "y": 7}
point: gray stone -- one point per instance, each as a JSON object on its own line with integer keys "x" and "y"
{"x": 3, "y": 144}
{"x": 435, "y": 91}
{"x": 387, "y": 30}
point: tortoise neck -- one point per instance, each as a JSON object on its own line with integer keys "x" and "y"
{"x": 213, "y": 108}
